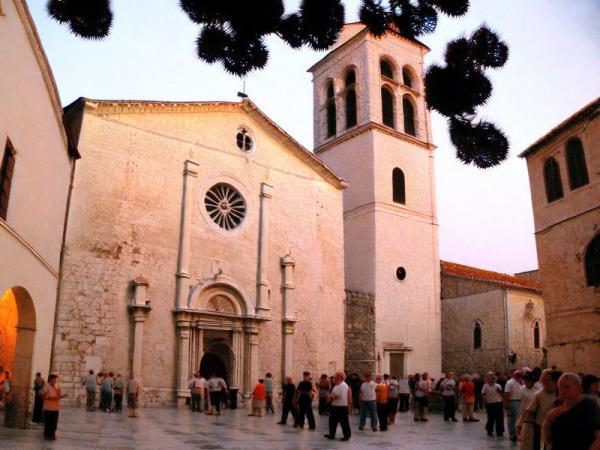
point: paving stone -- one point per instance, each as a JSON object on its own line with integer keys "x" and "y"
{"x": 162, "y": 428}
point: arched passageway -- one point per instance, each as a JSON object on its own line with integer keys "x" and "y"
{"x": 217, "y": 360}
{"x": 17, "y": 333}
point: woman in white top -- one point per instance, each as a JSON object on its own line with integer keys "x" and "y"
{"x": 492, "y": 399}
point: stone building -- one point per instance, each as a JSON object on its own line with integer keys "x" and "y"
{"x": 371, "y": 125}
{"x": 202, "y": 237}
{"x": 490, "y": 320}
{"x": 564, "y": 175}
{"x": 35, "y": 169}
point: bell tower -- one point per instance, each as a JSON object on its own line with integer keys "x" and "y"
{"x": 372, "y": 127}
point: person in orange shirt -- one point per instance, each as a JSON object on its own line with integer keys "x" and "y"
{"x": 381, "y": 397}
{"x": 258, "y": 399}
{"x": 51, "y": 395}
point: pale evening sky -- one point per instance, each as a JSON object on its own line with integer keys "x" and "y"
{"x": 485, "y": 215}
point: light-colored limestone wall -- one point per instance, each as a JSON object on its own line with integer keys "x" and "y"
{"x": 363, "y": 54}
{"x": 379, "y": 234}
{"x": 30, "y": 238}
{"x": 125, "y": 223}
{"x": 572, "y": 307}
{"x": 29, "y": 118}
{"x": 564, "y": 229}
{"x": 574, "y": 201}
{"x": 525, "y": 309}
{"x": 459, "y": 316}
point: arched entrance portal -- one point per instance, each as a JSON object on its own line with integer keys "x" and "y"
{"x": 17, "y": 332}
{"x": 213, "y": 363}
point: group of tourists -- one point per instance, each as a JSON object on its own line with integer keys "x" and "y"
{"x": 111, "y": 389}
{"x": 545, "y": 409}
{"x": 208, "y": 395}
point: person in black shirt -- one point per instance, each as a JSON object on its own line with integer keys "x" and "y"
{"x": 287, "y": 395}
{"x": 575, "y": 425}
{"x": 304, "y": 397}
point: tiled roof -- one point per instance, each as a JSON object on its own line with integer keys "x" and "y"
{"x": 588, "y": 111}
{"x": 501, "y": 279}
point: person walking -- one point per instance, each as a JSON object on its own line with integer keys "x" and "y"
{"x": 340, "y": 400}
{"x": 368, "y": 403}
{"x": 133, "y": 395}
{"x": 197, "y": 391}
{"x": 106, "y": 391}
{"x": 216, "y": 387}
{"x": 492, "y": 400}
{"x": 393, "y": 397}
{"x": 381, "y": 400}
{"x": 512, "y": 402}
{"x": 89, "y": 383}
{"x": 288, "y": 392}
{"x": 269, "y": 407}
{"x": 304, "y": 397}
{"x": 478, "y": 382}
{"x": 403, "y": 394}
{"x": 448, "y": 388}
{"x": 38, "y": 401}
{"x": 323, "y": 387}
{"x": 258, "y": 399}
{"x": 51, "y": 395}
{"x": 118, "y": 386}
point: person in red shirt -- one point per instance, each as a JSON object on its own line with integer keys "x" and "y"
{"x": 466, "y": 388}
{"x": 258, "y": 399}
{"x": 51, "y": 395}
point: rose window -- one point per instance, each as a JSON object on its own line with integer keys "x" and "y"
{"x": 225, "y": 206}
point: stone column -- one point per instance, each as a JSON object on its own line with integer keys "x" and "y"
{"x": 140, "y": 306}
{"x": 262, "y": 295}
{"x": 289, "y": 322}
{"x": 183, "y": 372}
{"x": 238, "y": 359}
{"x": 190, "y": 172}
{"x": 252, "y": 358}
{"x": 16, "y": 415}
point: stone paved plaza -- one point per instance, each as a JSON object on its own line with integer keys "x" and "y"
{"x": 179, "y": 429}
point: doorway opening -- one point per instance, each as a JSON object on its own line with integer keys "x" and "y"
{"x": 17, "y": 333}
{"x": 218, "y": 360}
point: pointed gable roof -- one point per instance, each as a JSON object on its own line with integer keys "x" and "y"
{"x": 247, "y": 106}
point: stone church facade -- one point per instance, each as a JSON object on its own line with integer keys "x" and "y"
{"x": 203, "y": 237}
{"x": 490, "y": 320}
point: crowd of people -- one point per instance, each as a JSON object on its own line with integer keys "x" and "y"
{"x": 545, "y": 409}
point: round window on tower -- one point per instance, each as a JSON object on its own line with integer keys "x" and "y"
{"x": 225, "y": 206}
{"x": 244, "y": 140}
{"x": 401, "y": 273}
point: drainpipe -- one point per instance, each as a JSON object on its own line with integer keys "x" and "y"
{"x": 506, "y": 340}
{"x": 61, "y": 262}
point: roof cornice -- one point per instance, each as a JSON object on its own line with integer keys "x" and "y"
{"x": 349, "y": 134}
{"x": 589, "y": 111}
{"x": 143, "y": 106}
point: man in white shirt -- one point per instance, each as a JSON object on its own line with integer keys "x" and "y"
{"x": 367, "y": 403}
{"x": 512, "y": 402}
{"x": 341, "y": 405}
